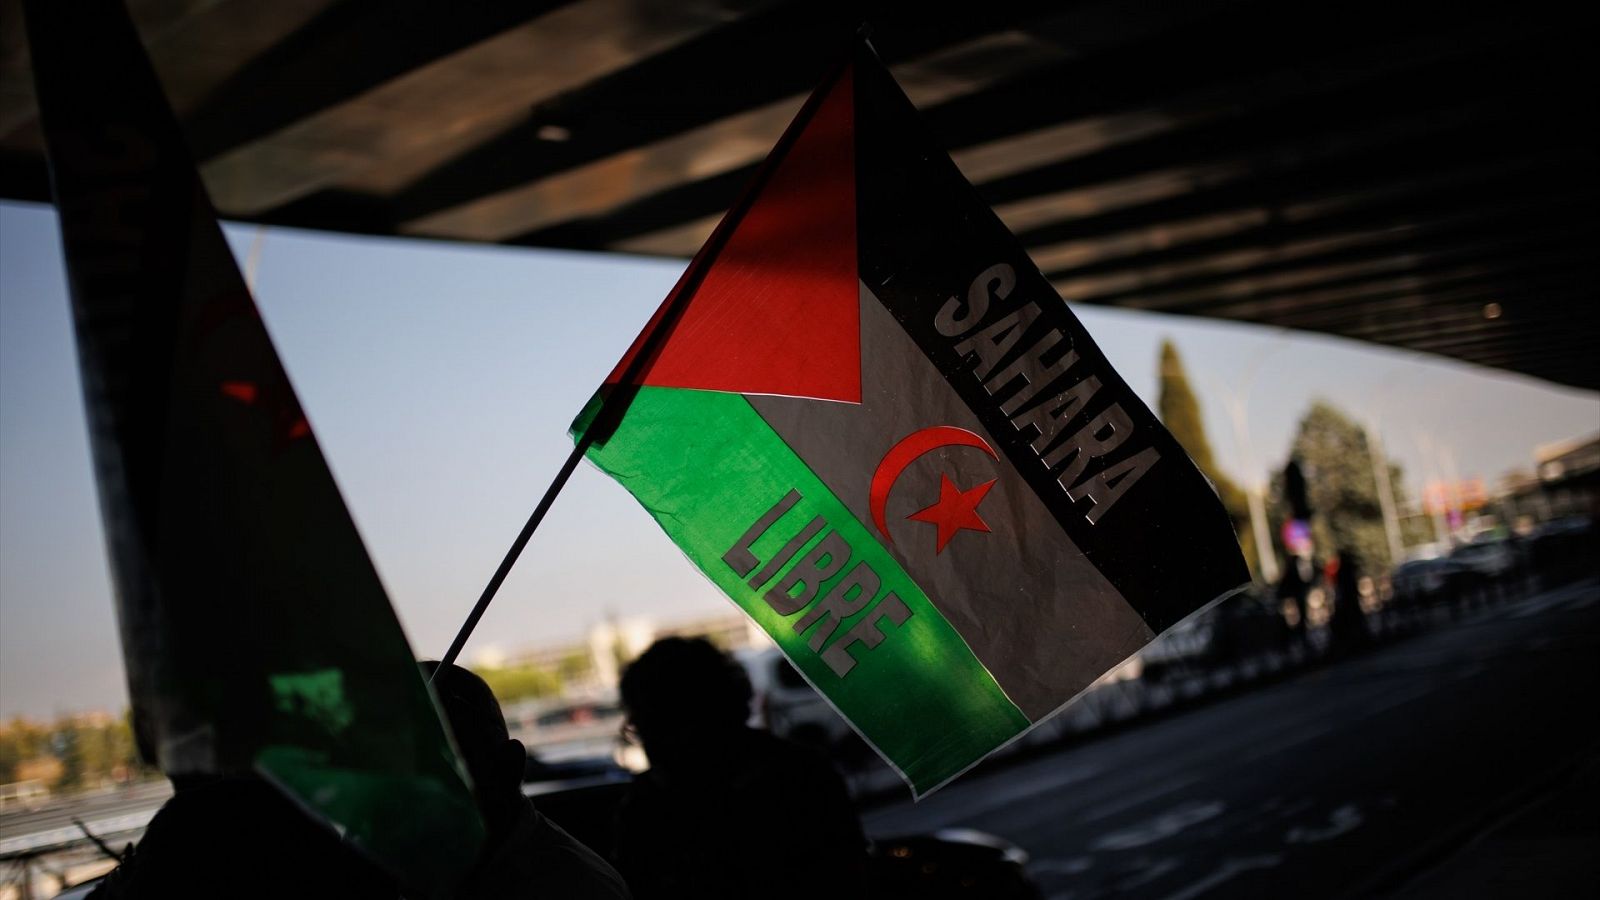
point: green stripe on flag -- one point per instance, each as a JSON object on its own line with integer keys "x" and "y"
{"x": 707, "y": 467}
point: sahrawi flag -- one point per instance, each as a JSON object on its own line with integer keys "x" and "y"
{"x": 867, "y": 417}
{"x": 256, "y": 635}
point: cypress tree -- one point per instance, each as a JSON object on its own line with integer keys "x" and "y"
{"x": 1179, "y": 409}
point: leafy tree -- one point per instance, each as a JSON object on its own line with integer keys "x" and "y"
{"x": 67, "y": 745}
{"x": 81, "y": 750}
{"x": 575, "y": 666}
{"x": 105, "y": 750}
{"x": 20, "y": 741}
{"x": 1342, "y": 489}
{"x": 510, "y": 684}
{"x": 1179, "y": 409}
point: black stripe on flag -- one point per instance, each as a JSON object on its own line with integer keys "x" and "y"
{"x": 924, "y": 236}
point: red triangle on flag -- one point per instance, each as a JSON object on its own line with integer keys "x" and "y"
{"x": 775, "y": 308}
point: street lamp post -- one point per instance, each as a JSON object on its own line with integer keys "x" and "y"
{"x": 252, "y": 258}
{"x": 1237, "y": 405}
{"x": 1380, "y": 467}
{"x": 1380, "y": 472}
{"x": 1253, "y": 490}
{"x": 1425, "y": 443}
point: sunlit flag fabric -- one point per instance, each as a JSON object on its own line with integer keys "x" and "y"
{"x": 866, "y": 416}
{"x": 256, "y": 634}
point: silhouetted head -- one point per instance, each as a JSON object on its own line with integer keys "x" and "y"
{"x": 240, "y": 837}
{"x": 494, "y": 760}
{"x": 683, "y": 695}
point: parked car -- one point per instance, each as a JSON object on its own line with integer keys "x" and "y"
{"x": 1424, "y": 582}
{"x": 954, "y": 863}
{"x": 1245, "y": 626}
{"x": 1563, "y": 548}
{"x": 1186, "y": 647}
{"x": 788, "y": 706}
{"x": 1489, "y": 558}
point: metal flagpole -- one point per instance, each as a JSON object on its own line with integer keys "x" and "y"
{"x": 560, "y": 481}
{"x": 615, "y": 403}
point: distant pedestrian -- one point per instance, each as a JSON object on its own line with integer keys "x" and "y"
{"x": 1293, "y": 589}
{"x": 1348, "y": 632}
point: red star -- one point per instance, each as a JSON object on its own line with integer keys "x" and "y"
{"x": 956, "y": 509}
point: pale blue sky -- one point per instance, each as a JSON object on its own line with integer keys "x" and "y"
{"x": 440, "y": 379}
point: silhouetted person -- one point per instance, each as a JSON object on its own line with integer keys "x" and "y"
{"x": 524, "y": 854}
{"x": 726, "y": 812}
{"x": 240, "y": 837}
{"x": 1295, "y": 586}
{"x": 1348, "y": 630}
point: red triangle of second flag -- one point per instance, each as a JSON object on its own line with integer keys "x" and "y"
{"x": 776, "y": 307}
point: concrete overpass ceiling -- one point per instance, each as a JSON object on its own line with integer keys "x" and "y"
{"x": 1418, "y": 175}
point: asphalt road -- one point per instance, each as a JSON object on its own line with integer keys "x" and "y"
{"x": 99, "y": 810}
{"x": 1348, "y": 780}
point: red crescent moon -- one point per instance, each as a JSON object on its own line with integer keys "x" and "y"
{"x": 904, "y": 454}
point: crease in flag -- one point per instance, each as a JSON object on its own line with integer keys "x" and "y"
{"x": 868, "y": 419}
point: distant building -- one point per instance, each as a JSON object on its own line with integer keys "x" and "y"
{"x": 593, "y": 665}
{"x": 734, "y": 631}
{"x": 582, "y": 721}
{"x": 1565, "y": 481}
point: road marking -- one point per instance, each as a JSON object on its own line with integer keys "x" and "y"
{"x": 1150, "y": 873}
{"x": 1343, "y": 820}
{"x": 1161, "y": 827}
{"x": 1236, "y": 866}
{"x": 1159, "y": 790}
